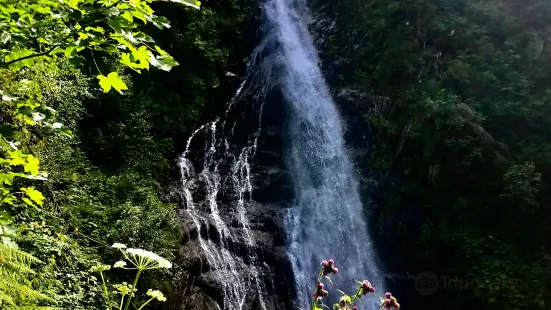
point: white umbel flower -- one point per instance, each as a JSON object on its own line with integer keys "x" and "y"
{"x": 119, "y": 264}
{"x": 147, "y": 259}
{"x": 118, "y": 246}
{"x": 156, "y": 294}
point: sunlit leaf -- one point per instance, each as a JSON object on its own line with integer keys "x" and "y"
{"x": 32, "y": 165}
{"x": 4, "y": 38}
{"x": 72, "y": 50}
{"x": 160, "y": 22}
{"x": 166, "y": 62}
{"x": 28, "y": 201}
{"x": 112, "y": 80}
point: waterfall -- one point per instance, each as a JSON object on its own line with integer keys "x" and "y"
{"x": 326, "y": 219}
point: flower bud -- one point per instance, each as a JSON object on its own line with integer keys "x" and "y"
{"x": 324, "y": 263}
{"x": 388, "y": 295}
{"x": 335, "y": 270}
{"x": 354, "y": 308}
{"x": 331, "y": 262}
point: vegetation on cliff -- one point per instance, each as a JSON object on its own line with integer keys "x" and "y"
{"x": 462, "y": 148}
{"x": 83, "y": 166}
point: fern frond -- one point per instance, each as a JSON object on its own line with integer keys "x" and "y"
{"x": 12, "y": 254}
{"x": 16, "y": 289}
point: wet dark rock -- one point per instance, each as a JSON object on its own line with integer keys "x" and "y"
{"x": 200, "y": 285}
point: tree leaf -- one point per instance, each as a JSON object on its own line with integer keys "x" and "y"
{"x": 34, "y": 195}
{"x": 32, "y": 165}
{"x": 28, "y": 201}
{"x": 160, "y": 22}
{"x": 4, "y": 38}
{"x": 166, "y": 62}
{"x": 104, "y": 83}
{"x": 160, "y": 51}
{"x": 112, "y": 80}
{"x": 73, "y": 50}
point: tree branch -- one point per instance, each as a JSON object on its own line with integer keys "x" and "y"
{"x": 31, "y": 56}
{"x": 39, "y": 54}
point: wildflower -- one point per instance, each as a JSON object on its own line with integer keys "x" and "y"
{"x": 329, "y": 267}
{"x": 354, "y": 308}
{"x": 147, "y": 260}
{"x": 390, "y": 302}
{"x": 100, "y": 268}
{"x": 343, "y": 302}
{"x": 124, "y": 288}
{"x": 320, "y": 292}
{"x": 156, "y": 294}
{"x": 163, "y": 263}
{"x": 119, "y": 264}
{"x": 367, "y": 287}
{"x": 118, "y": 246}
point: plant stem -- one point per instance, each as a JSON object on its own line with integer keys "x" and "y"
{"x": 105, "y": 290}
{"x": 132, "y": 289}
{"x": 94, "y": 59}
{"x": 145, "y": 303}
{"x": 358, "y": 293}
{"x": 122, "y": 302}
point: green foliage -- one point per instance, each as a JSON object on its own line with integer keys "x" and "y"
{"x": 461, "y": 147}
{"x": 107, "y": 156}
{"x": 73, "y": 27}
{"x": 43, "y": 46}
{"x": 15, "y": 288}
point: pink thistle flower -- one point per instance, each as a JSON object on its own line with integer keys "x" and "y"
{"x": 388, "y": 295}
{"x": 372, "y": 289}
{"x": 354, "y": 308}
{"x": 324, "y": 263}
{"x": 330, "y": 262}
{"x": 335, "y": 270}
{"x": 320, "y": 285}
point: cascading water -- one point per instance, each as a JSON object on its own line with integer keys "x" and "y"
{"x": 326, "y": 220}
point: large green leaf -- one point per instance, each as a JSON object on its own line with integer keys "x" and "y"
{"x": 112, "y": 80}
